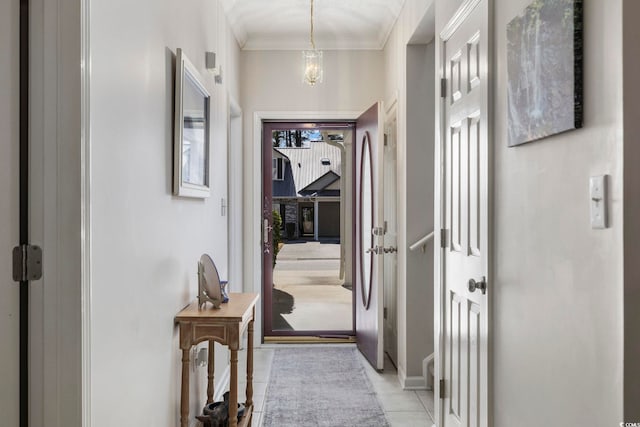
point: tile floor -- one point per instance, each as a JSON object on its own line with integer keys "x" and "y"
{"x": 403, "y": 408}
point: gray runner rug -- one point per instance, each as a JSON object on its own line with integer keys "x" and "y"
{"x": 320, "y": 386}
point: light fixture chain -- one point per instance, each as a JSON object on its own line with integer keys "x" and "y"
{"x": 312, "y": 58}
{"x": 313, "y": 43}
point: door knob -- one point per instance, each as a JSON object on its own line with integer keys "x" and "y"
{"x": 482, "y": 285}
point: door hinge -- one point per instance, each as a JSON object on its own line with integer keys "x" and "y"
{"x": 441, "y": 389}
{"x": 443, "y": 88}
{"x": 27, "y": 263}
{"x": 384, "y": 312}
{"x": 443, "y": 238}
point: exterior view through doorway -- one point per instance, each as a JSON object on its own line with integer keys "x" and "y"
{"x": 307, "y": 231}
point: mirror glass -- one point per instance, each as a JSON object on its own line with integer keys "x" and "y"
{"x": 195, "y": 111}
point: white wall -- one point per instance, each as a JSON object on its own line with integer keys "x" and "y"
{"x": 272, "y": 81}
{"x": 414, "y": 336}
{"x": 420, "y": 185}
{"x": 558, "y": 283}
{"x": 146, "y": 242}
{"x": 556, "y": 292}
{"x": 235, "y": 196}
{"x": 9, "y": 149}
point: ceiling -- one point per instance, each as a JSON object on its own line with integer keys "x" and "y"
{"x": 339, "y": 24}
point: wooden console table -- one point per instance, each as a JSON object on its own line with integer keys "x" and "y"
{"x": 226, "y": 326}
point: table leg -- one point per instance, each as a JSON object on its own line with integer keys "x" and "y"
{"x": 210, "y": 371}
{"x": 233, "y": 391}
{"x": 184, "y": 398}
{"x": 249, "y": 396}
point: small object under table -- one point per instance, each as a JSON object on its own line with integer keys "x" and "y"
{"x": 224, "y": 325}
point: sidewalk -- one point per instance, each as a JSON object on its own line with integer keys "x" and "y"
{"x": 308, "y": 294}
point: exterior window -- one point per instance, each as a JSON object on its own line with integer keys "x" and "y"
{"x": 278, "y": 169}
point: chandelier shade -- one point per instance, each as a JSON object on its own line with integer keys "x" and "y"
{"x": 313, "y": 71}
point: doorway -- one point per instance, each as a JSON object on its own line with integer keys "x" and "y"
{"x": 306, "y": 290}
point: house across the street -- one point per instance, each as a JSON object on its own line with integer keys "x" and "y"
{"x": 306, "y": 190}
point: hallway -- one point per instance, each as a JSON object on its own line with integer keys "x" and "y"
{"x": 542, "y": 313}
{"x": 402, "y": 408}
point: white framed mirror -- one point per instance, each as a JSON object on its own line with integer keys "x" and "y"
{"x": 192, "y": 131}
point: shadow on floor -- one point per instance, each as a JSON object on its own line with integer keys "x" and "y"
{"x": 283, "y": 303}
{"x": 329, "y": 241}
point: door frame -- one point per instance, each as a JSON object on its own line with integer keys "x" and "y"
{"x": 443, "y": 35}
{"x": 23, "y": 206}
{"x": 267, "y": 127}
{"x": 61, "y": 213}
{"x": 253, "y": 196}
{"x": 391, "y": 118}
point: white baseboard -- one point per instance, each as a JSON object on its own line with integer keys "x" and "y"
{"x": 411, "y": 383}
{"x": 414, "y": 383}
{"x": 428, "y": 378}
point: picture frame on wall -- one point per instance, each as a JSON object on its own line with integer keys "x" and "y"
{"x": 545, "y": 70}
{"x": 192, "y": 130}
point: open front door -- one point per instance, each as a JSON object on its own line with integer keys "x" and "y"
{"x": 369, "y": 234}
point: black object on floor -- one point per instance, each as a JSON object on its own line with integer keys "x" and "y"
{"x": 216, "y": 414}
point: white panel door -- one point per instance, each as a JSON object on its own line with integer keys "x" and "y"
{"x": 465, "y": 163}
{"x": 9, "y": 223}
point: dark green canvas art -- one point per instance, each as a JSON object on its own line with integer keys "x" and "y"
{"x": 544, "y": 68}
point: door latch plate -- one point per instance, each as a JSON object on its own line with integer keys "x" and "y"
{"x": 378, "y": 231}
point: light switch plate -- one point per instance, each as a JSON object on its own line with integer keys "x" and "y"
{"x": 199, "y": 357}
{"x": 598, "y": 201}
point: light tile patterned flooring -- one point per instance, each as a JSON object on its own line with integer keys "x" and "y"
{"x": 403, "y": 408}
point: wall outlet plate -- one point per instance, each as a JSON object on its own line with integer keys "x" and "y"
{"x": 200, "y": 357}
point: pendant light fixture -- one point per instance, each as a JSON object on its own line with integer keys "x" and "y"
{"x": 312, "y": 60}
